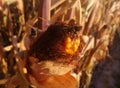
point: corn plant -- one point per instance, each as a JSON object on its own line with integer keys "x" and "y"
{"x": 31, "y": 56}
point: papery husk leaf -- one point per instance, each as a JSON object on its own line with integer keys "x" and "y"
{"x": 89, "y": 45}
{"x": 56, "y": 81}
{"x": 91, "y": 18}
{"x": 3, "y": 81}
{"x": 17, "y": 81}
{"x": 56, "y": 3}
{"x": 25, "y": 42}
{"x": 48, "y": 74}
{"x": 70, "y": 14}
{"x": 53, "y": 68}
{"x": 20, "y": 74}
{"x": 85, "y": 38}
{"x": 91, "y": 3}
{"x": 102, "y": 30}
{"x": 20, "y": 5}
{"x": 90, "y": 56}
{"x": 78, "y": 13}
{"x": 5, "y": 66}
{"x": 34, "y": 82}
{"x": 64, "y": 7}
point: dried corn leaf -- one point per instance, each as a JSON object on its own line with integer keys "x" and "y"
{"x": 3, "y": 81}
{"x": 17, "y": 81}
{"x": 89, "y": 45}
{"x": 44, "y": 12}
{"x": 78, "y": 13}
{"x": 49, "y": 67}
{"x": 91, "y": 18}
{"x": 64, "y": 7}
{"x": 57, "y": 81}
{"x": 56, "y": 3}
{"x": 5, "y": 66}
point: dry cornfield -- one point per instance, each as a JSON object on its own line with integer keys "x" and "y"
{"x": 54, "y": 43}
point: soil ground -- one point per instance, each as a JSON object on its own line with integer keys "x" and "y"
{"x": 107, "y": 73}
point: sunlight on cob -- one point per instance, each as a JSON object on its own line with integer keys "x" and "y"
{"x": 71, "y": 46}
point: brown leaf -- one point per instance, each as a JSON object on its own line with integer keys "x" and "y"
{"x": 91, "y": 18}
{"x": 57, "y": 81}
{"x": 51, "y": 67}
